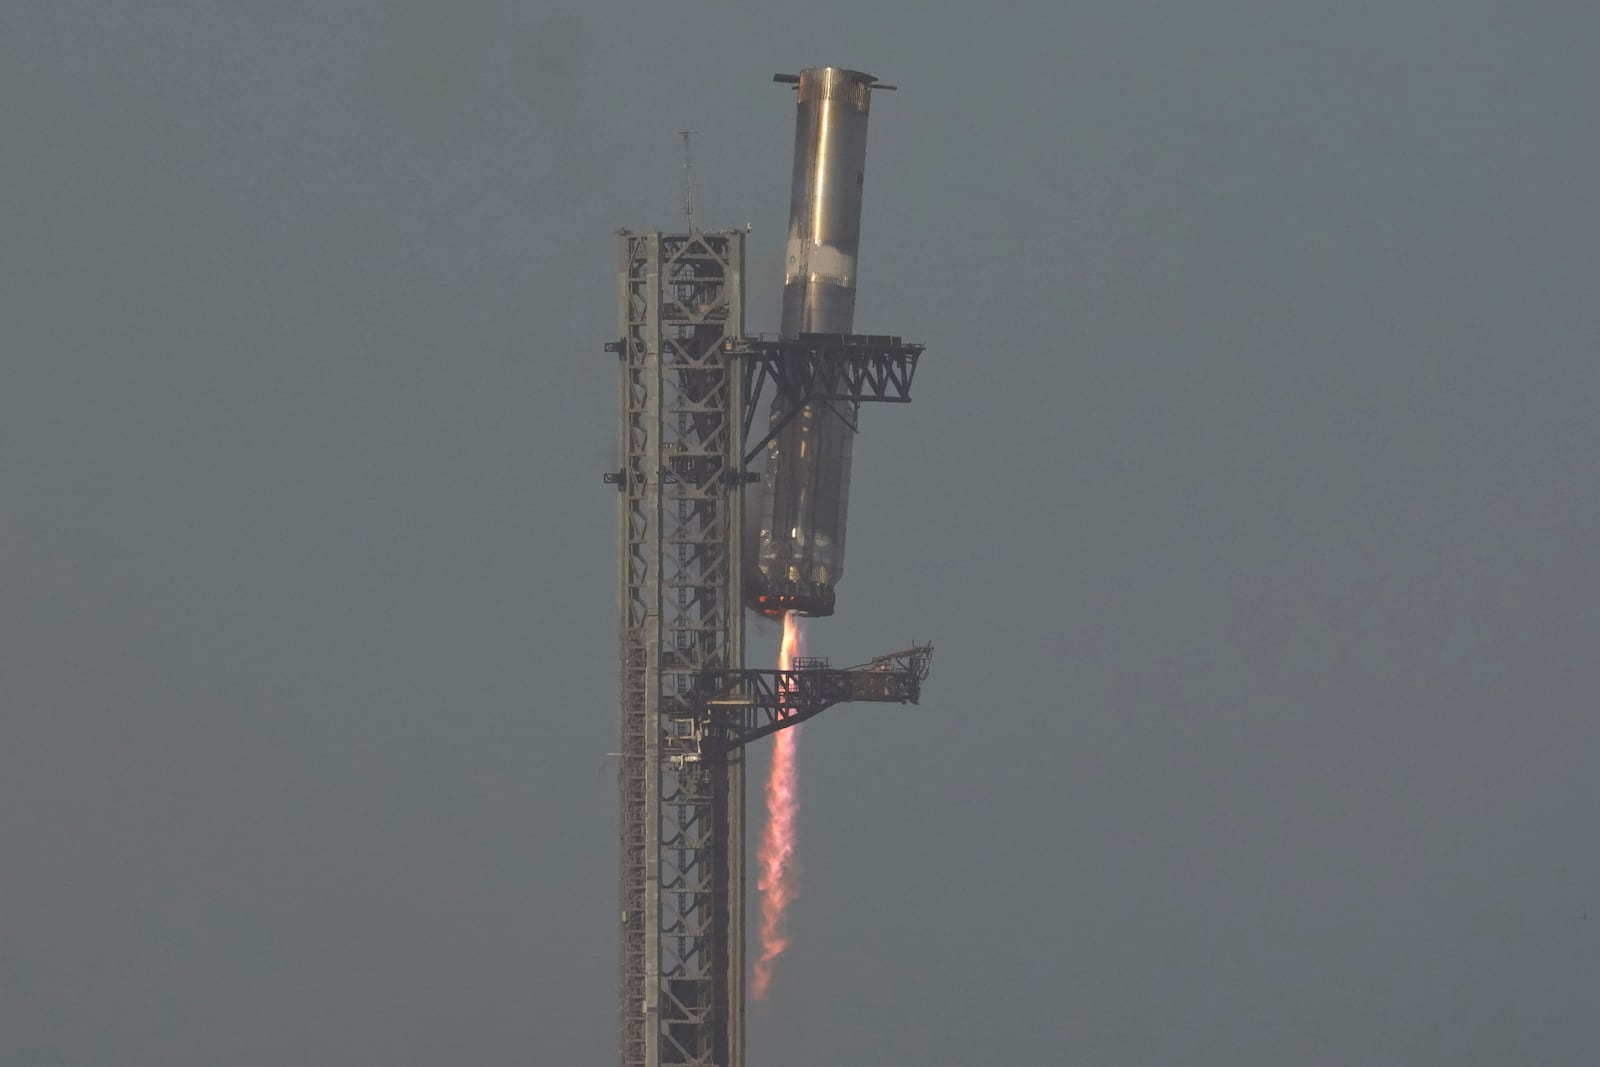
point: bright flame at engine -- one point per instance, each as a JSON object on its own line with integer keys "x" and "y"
{"x": 776, "y": 854}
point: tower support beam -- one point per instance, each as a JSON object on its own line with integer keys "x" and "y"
{"x": 681, "y": 891}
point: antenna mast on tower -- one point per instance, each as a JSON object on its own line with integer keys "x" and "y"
{"x": 688, "y": 182}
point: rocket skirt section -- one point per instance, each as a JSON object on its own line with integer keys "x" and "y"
{"x": 804, "y": 511}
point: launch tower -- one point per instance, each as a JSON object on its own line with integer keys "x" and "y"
{"x": 691, "y": 383}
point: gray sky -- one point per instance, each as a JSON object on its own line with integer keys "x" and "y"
{"x": 1250, "y": 493}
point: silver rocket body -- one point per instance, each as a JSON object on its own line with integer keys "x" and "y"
{"x": 830, "y": 164}
{"x": 800, "y": 553}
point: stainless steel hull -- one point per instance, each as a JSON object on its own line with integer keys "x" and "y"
{"x": 800, "y": 552}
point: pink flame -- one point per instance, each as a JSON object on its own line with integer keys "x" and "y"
{"x": 775, "y": 857}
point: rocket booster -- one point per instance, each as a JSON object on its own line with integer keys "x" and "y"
{"x": 800, "y": 550}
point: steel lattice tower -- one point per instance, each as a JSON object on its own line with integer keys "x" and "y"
{"x": 690, "y": 391}
{"x": 682, "y": 815}
{"x": 691, "y": 387}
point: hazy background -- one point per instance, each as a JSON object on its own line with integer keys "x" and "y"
{"x": 1250, "y": 493}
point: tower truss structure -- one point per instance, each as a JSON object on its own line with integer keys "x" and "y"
{"x": 689, "y": 380}
{"x": 682, "y": 815}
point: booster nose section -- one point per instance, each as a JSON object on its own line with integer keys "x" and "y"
{"x": 830, "y": 166}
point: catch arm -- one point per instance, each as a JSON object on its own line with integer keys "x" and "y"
{"x": 736, "y": 707}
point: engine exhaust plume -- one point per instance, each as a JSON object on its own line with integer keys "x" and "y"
{"x": 775, "y": 857}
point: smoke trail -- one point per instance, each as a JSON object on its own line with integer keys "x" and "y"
{"x": 776, "y": 854}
